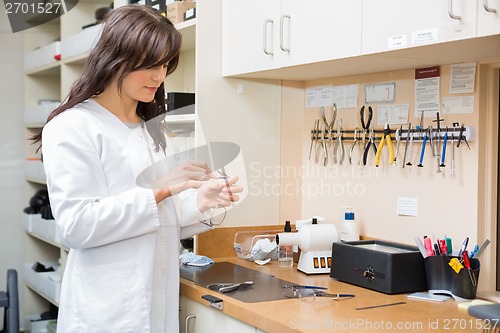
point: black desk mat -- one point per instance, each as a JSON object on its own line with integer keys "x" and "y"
{"x": 265, "y": 288}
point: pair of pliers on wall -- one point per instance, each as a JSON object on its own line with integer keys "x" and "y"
{"x": 355, "y": 144}
{"x": 327, "y": 130}
{"x": 385, "y": 138}
{"x": 329, "y": 125}
{"x": 338, "y": 143}
{"x": 371, "y": 142}
{"x": 365, "y": 126}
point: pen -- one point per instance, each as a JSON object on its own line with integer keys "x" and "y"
{"x": 344, "y": 295}
{"x": 481, "y": 248}
{"x": 474, "y": 251}
{"x": 380, "y": 306}
{"x": 325, "y": 294}
{"x": 466, "y": 262}
{"x": 449, "y": 246}
{"x": 464, "y": 247}
{"x": 437, "y": 251}
{"x": 443, "y": 247}
{"x": 428, "y": 246}
{"x": 310, "y": 287}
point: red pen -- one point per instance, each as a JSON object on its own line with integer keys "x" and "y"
{"x": 442, "y": 246}
{"x": 428, "y": 246}
{"x": 466, "y": 262}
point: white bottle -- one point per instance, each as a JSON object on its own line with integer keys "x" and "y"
{"x": 349, "y": 228}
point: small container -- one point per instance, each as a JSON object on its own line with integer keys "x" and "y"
{"x": 349, "y": 229}
{"x": 285, "y": 257}
{"x": 256, "y": 245}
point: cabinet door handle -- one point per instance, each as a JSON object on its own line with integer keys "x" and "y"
{"x": 487, "y": 8}
{"x": 450, "y": 11}
{"x": 282, "y": 43}
{"x": 191, "y": 316}
{"x": 266, "y": 23}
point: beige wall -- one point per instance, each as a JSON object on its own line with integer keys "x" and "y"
{"x": 454, "y": 206}
{"x": 272, "y": 126}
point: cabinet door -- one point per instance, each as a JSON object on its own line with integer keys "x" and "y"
{"x": 203, "y": 319}
{"x": 250, "y": 30}
{"x": 319, "y": 30}
{"x": 488, "y": 17}
{"x": 391, "y": 24}
{"x": 262, "y": 35}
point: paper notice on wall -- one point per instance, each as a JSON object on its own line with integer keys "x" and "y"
{"x": 458, "y": 105}
{"x": 319, "y": 96}
{"x": 407, "y": 206}
{"x": 427, "y": 96}
{"x": 462, "y": 78}
{"x": 346, "y": 96}
{"x": 393, "y": 114}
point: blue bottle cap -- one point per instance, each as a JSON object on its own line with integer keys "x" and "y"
{"x": 349, "y": 216}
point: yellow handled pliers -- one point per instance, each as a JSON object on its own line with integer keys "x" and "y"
{"x": 386, "y": 137}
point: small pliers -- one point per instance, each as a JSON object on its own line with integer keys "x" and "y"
{"x": 329, "y": 125}
{"x": 385, "y": 138}
{"x": 338, "y": 143}
{"x": 355, "y": 144}
{"x": 371, "y": 142}
{"x": 365, "y": 126}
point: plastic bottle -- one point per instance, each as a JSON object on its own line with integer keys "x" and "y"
{"x": 285, "y": 257}
{"x": 349, "y": 228}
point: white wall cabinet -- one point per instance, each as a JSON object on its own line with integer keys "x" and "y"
{"x": 488, "y": 17}
{"x": 198, "y": 318}
{"x": 391, "y": 24}
{"x": 340, "y": 38}
{"x": 262, "y": 35}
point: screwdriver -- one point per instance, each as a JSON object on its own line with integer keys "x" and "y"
{"x": 422, "y": 152}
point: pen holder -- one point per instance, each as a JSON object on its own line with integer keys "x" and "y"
{"x": 441, "y": 278}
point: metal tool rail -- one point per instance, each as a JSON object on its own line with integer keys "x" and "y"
{"x": 466, "y": 133}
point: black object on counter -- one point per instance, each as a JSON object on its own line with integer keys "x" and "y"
{"x": 387, "y": 267}
{"x": 265, "y": 287}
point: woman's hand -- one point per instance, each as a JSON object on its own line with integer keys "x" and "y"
{"x": 218, "y": 193}
{"x": 190, "y": 174}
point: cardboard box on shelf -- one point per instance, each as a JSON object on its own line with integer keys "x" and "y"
{"x": 176, "y": 10}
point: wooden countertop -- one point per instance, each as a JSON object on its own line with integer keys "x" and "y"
{"x": 295, "y": 315}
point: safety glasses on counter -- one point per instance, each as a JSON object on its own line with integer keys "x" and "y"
{"x": 311, "y": 293}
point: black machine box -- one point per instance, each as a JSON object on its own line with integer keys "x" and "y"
{"x": 387, "y": 267}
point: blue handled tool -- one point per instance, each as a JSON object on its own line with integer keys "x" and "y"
{"x": 422, "y": 152}
{"x": 443, "y": 153}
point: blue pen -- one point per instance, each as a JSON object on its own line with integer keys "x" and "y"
{"x": 473, "y": 252}
{"x": 310, "y": 287}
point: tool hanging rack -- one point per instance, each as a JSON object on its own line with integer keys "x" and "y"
{"x": 365, "y": 137}
{"x": 465, "y": 132}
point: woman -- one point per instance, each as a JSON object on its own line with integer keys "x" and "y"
{"x": 122, "y": 272}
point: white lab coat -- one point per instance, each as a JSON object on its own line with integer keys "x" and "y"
{"x": 122, "y": 272}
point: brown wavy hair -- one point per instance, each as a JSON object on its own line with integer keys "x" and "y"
{"x": 133, "y": 37}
